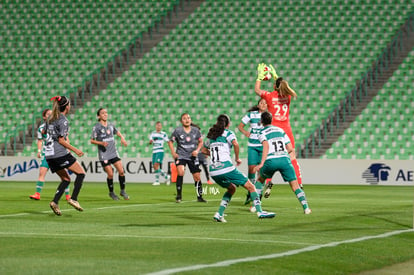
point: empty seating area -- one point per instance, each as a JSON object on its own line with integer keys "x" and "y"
{"x": 207, "y": 65}
{"x": 385, "y": 129}
{"x": 48, "y": 46}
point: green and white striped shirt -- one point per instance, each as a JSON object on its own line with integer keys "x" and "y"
{"x": 277, "y": 140}
{"x": 255, "y": 126}
{"x": 220, "y": 153}
{"x": 41, "y": 136}
{"x": 158, "y": 139}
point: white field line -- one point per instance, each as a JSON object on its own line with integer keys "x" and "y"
{"x": 276, "y": 255}
{"x": 98, "y": 208}
{"x": 117, "y": 236}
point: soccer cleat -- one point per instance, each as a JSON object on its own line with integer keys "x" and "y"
{"x": 301, "y": 186}
{"x": 67, "y": 197}
{"x": 265, "y": 215}
{"x": 113, "y": 196}
{"x": 124, "y": 195}
{"x": 248, "y": 199}
{"x": 55, "y": 208}
{"x": 200, "y": 199}
{"x": 75, "y": 204}
{"x": 209, "y": 182}
{"x": 218, "y": 218}
{"x": 268, "y": 189}
{"x": 167, "y": 180}
{"x": 307, "y": 211}
{"x": 36, "y": 196}
{"x": 155, "y": 183}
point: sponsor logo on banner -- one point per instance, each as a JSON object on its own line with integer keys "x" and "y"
{"x": 18, "y": 168}
{"x": 383, "y": 173}
{"x": 130, "y": 167}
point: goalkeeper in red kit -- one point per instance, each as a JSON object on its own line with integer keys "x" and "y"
{"x": 278, "y": 103}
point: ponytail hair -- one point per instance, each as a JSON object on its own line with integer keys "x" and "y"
{"x": 195, "y": 125}
{"x": 282, "y": 86}
{"x": 217, "y": 129}
{"x": 59, "y": 105}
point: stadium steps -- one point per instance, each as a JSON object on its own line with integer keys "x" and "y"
{"x": 152, "y": 37}
{"x": 337, "y": 132}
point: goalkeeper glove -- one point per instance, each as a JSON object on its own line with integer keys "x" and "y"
{"x": 260, "y": 71}
{"x": 273, "y": 72}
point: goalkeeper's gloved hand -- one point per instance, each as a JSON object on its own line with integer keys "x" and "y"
{"x": 273, "y": 72}
{"x": 260, "y": 71}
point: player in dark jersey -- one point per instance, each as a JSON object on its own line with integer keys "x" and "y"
{"x": 204, "y": 163}
{"x": 189, "y": 143}
{"x": 42, "y": 138}
{"x": 57, "y": 153}
{"x": 103, "y": 135}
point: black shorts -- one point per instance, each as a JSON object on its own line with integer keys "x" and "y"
{"x": 60, "y": 163}
{"x": 109, "y": 162}
{"x": 193, "y": 164}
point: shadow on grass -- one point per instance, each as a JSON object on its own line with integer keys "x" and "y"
{"x": 353, "y": 222}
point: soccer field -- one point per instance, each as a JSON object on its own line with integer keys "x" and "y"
{"x": 352, "y": 229}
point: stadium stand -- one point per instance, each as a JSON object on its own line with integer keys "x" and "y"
{"x": 51, "y": 46}
{"x": 206, "y": 65}
{"x": 384, "y": 130}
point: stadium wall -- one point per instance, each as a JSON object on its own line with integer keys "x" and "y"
{"x": 314, "y": 171}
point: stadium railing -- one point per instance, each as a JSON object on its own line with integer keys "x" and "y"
{"x": 339, "y": 113}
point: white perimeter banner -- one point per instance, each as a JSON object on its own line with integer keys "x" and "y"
{"x": 314, "y": 171}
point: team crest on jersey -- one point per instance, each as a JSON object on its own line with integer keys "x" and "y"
{"x": 108, "y": 132}
{"x": 188, "y": 139}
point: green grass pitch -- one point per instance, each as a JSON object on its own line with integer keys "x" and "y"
{"x": 352, "y": 229}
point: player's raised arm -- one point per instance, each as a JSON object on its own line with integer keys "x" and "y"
{"x": 260, "y": 77}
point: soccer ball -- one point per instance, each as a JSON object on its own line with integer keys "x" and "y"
{"x": 267, "y": 75}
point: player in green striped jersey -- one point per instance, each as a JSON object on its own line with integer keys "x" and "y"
{"x": 218, "y": 145}
{"x": 157, "y": 139}
{"x": 254, "y": 150}
{"x": 275, "y": 157}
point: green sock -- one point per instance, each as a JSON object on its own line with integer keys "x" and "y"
{"x": 252, "y": 177}
{"x": 157, "y": 175}
{"x": 256, "y": 201}
{"x": 163, "y": 174}
{"x": 259, "y": 187}
{"x": 302, "y": 198}
{"x": 39, "y": 186}
{"x": 224, "y": 202}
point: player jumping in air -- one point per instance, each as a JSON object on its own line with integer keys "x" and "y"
{"x": 278, "y": 104}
